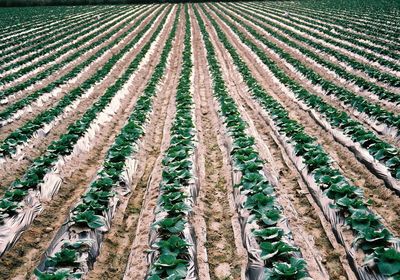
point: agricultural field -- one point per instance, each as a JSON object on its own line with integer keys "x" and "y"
{"x": 221, "y": 140}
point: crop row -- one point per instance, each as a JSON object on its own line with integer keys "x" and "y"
{"x": 370, "y": 27}
{"x": 363, "y": 83}
{"x": 276, "y": 257}
{"x": 172, "y": 245}
{"x": 56, "y": 51}
{"x": 32, "y": 181}
{"x": 381, "y": 151}
{"x": 9, "y": 111}
{"x": 359, "y": 103}
{"x": 22, "y": 134}
{"x": 330, "y": 24}
{"x": 353, "y": 39}
{"x": 369, "y": 70}
{"x": 21, "y": 47}
{"x": 357, "y": 24}
{"x": 34, "y": 26}
{"x": 71, "y": 254}
{"x": 31, "y": 19}
{"x": 333, "y": 192}
{"x": 390, "y": 64}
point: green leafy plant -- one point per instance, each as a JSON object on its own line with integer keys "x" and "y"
{"x": 64, "y": 258}
{"x": 89, "y": 218}
{"x": 260, "y": 200}
{"x": 348, "y": 199}
{"x": 272, "y": 250}
{"x": 294, "y": 269}
{"x": 387, "y": 261}
{"x": 170, "y": 267}
{"x": 60, "y": 274}
{"x": 91, "y": 211}
{"x": 174, "y": 245}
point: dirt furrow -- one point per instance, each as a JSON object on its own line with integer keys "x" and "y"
{"x": 225, "y": 253}
{"x": 63, "y": 51}
{"x": 345, "y": 21}
{"x": 112, "y": 261}
{"x": 326, "y": 26}
{"x": 20, "y": 261}
{"x": 16, "y": 167}
{"x": 148, "y": 184}
{"x": 32, "y": 49}
{"x": 67, "y": 68}
{"x": 322, "y": 258}
{"x": 322, "y": 42}
{"x": 39, "y": 26}
{"x": 384, "y": 201}
{"x": 323, "y": 71}
{"x": 316, "y": 90}
{"x": 325, "y": 38}
{"x": 325, "y": 55}
{"x": 38, "y": 107}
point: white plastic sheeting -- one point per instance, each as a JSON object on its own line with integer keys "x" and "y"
{"x": 191, "y": 191}
{"x": 93, "y": 238}
{"x": 379, "y": 169}
{"x": 331, "y": 214}
{"x": 14, "y": 226}
{"x": 379, "y": 127}
{"x": 255, "y": 265}
{"x": 33, "y": 51}
{"x": 282, "y": 22}
{"x": 47, "y": 127}
{"x": 61, "y": 57}
{"x": 362, "y": 154}
{"x": 54, "y": 93}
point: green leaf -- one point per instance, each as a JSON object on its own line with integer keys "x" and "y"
{"x": 154, "y": 277}
{"x": 97, "y": 196}
{"x": 293, "y": 270}
{"x": 167, "y": 260}
{"x": 8, "y": 206}
{"x": 259, "y": 201}
{"x": 387, "y": 261}
{"x": 269, "y": 217}
{"x": 346, "y": 202}
{"x": 176, "y": 208}
{"x": 172, "y": 246}
{"x": 178, "y": 272}
{"x": 103, "y": 183}
{"x": 64, "y": 258}
{"x": 343, "y": 189}
{"x": 362, "y": 219}
{"x": 172, "y": 225}
{"x": 269, "y": 250}
{"x": 90, "y": 219}
{"x": 61, "y": 274}
{"x": 272, "y": 233}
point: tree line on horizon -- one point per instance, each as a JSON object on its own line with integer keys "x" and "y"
{"x": 21, "y": 3}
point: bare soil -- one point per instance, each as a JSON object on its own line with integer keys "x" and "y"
{"x": 77, "y": 174}
{"x": 303, "y": 220}
{"x": 326, "y": 73}
{"x": 65, "y": 69}
{"x": 296, "y": 76}
{"x": 220, "y": 253}
{"x": 114, "y": 255}
{"x": 345, "y": 159}
{"x": 137, "y": 265}
{"x": 226, "y": 255}
{"x": 38, "y": 145}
